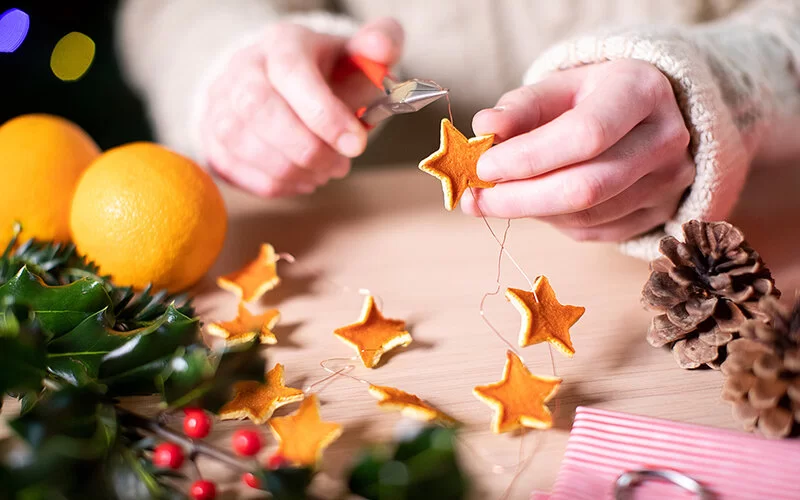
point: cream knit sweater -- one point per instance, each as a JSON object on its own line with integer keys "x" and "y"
{"x": 734, "y": 65}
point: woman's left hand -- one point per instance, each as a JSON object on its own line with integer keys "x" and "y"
{"x": 600, "y": 152}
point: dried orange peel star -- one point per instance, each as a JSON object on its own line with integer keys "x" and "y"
{"x": 455, "y": 163}
{"x": 257, "y": 401}
{"x": 544, "y": 319}
{"x": 246, "y": 326}
{"x": 519, "y": 397}
{"x": 409, "y": 405}
{"x": 256, "y": 278}
{"x": 373, "y": 334}
{"x": 303, "y": 436}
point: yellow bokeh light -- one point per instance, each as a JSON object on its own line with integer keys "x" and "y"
{"x": 72, "y": 56}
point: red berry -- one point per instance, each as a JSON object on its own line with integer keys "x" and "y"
{"x": 203, "y": 490}
{"x": 276, "y": 461}
{"x": 188, "y": 410}
{"x": 168, "y": 456}
{"x": 251, "y": 480}
{"x": 196, "y": 424}
{"x": 246, "y": 443}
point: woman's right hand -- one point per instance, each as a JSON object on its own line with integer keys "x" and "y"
{"x": 274, "y": 124}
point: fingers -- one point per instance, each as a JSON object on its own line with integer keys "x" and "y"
{"x": 630, "y": 226}
{"x": 526, "y": 108}
{"x": 278, "y": 126}
{"x": 293, "y": 69}
{"x": 653, "y": 190}
{"x": 380, "y": 40}
{"x": 578, "y": 187}
{"x": 598, "y": 120}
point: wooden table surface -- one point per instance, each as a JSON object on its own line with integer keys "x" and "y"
{"x": 387, "y": 231}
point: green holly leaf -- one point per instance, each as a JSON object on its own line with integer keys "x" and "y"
{"x": 131, "y": 477}
{"x": 71, "y": 422}
{"x": 286, "y": 483}
{"x": 425, "y": 465}
{"x": 22, "y": 359}
{"x": 59, "y": 309}
{"x": 76, "y": 356}
{"x": 147, "y": 350}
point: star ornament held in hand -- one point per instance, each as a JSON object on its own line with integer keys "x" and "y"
{"x": 257, "y": 401}
{"x": 544, "y": 319}
{"x": 373, "y": 334}
{"x": 246, "y": 326}
{"x": 409, "y": 405}
{"x": 303, "y": 436}
{"x": 519, "y": 397}
{"x": 254, "y": 279}
{"x": 455, "y": 163}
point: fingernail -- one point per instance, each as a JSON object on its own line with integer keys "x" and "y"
{"x": 499, "y": 108}
{"x": 349, "y": 144}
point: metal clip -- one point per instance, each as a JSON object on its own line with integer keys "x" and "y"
{"x": 628, "y": 481}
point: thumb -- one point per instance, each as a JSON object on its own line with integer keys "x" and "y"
{"x": 380, "y": 40}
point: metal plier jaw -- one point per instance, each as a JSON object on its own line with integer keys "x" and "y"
{"x": 399, "y": 97}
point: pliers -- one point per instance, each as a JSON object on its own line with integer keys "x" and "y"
{"x": 399, "y": 97}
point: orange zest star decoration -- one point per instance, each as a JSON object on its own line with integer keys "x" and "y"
{"x": 545, "y": 319}
{"x": 246, "y": 326}
{"x": 373, "y": 334}
{"x": 455, "y": 163}
{"x": 254, "y": 279}
{"x": 409, "y": 405}
{"x": 257, "y": 401}
{"x": 303, "y": 436}
{"x": 519, "y": 397}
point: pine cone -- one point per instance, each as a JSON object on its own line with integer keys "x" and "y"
{"x": 762, "y": 371}
{"x": 705, "y": 288}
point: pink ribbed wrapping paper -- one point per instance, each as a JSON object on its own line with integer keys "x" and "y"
{"x": 733, "y": 465}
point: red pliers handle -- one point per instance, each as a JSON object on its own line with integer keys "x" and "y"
{"x": 399, "y": 97}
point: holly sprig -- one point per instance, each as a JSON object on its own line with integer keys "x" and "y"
{"x": 73, "y": 346}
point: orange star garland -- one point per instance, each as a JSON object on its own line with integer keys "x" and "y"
{"x": 455, "y": 163}
{"x": 303, "y": 436}
{"x": 545, "y": 319}
{"x": 257, "y": 401}
{"x": 519, "y": 397}
{"x": 246, "y": 326}
{"x": 254, "y": 279}
{"x": 409, "y": 405}
{"x": 373, "y": 334}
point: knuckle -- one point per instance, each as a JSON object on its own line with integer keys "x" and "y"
{"x": 583, "y": 193}
{"x": 592, "y": 136}
{"x": 582, "y": 219}
{"x": 282, "y": 170}
{"x": 309, "y": 150}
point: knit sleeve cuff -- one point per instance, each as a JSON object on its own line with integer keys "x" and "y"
{"x": 319, "y": 21}
{"x": 720, "y": 155}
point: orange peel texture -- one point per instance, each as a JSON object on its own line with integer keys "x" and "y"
{"x": 409, "y": 405}
{"x": 257, "y": 401}
{"x": 519, "y": 398}
{"x": 256, "y": 278}
{"x": 455, "y": 163}
{"x": 246, "y": 326}
{"x": 373, "y": 335}
{"x": 303, "y": 436}
{"x": 545, "y": 319}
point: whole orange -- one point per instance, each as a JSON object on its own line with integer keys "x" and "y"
{"x": 146, "y": 214}
{"x": 41, "y": 159}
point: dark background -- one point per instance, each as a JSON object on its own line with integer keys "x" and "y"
{"x": 100, "y": 102}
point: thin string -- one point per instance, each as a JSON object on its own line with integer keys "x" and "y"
{"x": 495, "y": 292}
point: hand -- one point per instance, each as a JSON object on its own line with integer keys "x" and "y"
{"x": 600, "y": 152}
{"x": 274, "y": 125}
